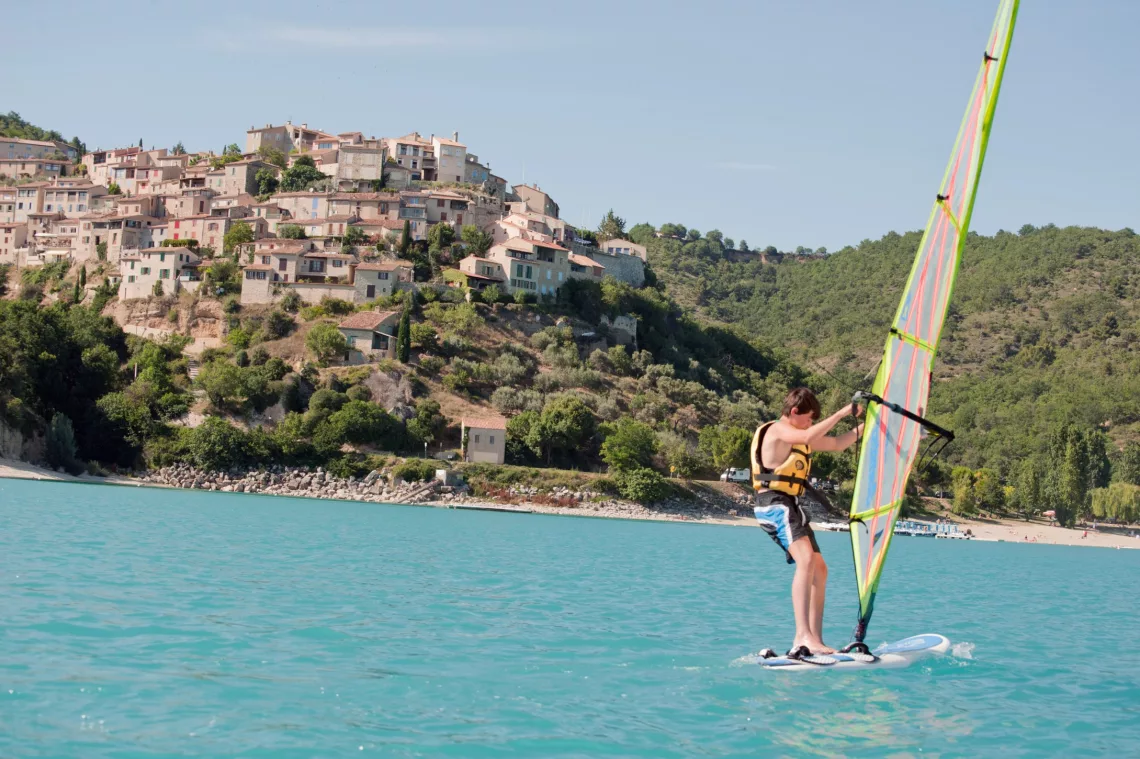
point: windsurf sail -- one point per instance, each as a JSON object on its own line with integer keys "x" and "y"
{"x": 895, "y": 419}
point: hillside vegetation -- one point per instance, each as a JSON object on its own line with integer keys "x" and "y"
{"x": 1043, "y": 332}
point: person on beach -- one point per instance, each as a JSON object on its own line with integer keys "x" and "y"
{"x": 781, "y": 463}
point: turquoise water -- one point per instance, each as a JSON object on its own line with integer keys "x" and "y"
{"x": 140, "y": 623}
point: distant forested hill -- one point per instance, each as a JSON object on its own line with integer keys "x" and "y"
{"x": 1044, "y": 327}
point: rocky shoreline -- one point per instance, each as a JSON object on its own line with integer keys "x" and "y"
{"x": 382, "y": 486}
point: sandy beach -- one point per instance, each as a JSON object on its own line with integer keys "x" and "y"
{"x": 1008, "y": 530}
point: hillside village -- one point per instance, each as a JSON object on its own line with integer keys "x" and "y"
{"x": 309, "y": 273}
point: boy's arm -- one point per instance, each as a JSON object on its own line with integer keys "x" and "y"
{"x": 812, "y": 435}
{"x": 839, "y": 442}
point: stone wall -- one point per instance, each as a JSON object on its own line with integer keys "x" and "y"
{"x": 624, "y": 268}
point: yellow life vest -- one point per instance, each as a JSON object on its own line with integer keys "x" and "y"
{"x": 790, "y": 476}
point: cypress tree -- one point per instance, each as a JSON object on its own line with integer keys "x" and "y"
{"x": 404, "y": 339}
{"x": 406, "y": 238}
{"x": 75, "y": 297}
{"x": 82, "y": 276}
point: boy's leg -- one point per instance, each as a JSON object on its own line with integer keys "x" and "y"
{"x": 818, "y": 597}
{"x": 803, "y": 552}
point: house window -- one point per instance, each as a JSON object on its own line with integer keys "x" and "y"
{"x": 476, "y": 438}
{"x": 265, "y": 260}
{"x": 145, "y": 270}
{"x": 443, "y": 216}
{"x": 337, "y": 263}
{"x": 130, "y": 279}
{"x": 439, "y": 203}
{"x": 491, "y": 439}
{"x": 370, "y": 291}
{"x": 164, "y": 273}
{"x": 383, "y": 275}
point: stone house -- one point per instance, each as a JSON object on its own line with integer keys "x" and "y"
{"x": 371, "y": 335}
{"x": 485, "y": 439}
{"x": 173, "y": 267}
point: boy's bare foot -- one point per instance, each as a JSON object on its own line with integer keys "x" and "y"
{"x": 814, "y": 645}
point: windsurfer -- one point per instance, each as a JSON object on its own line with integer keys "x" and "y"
{"x": 791, "y": 440}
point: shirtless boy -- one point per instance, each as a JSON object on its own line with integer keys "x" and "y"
{"x": 781, "y": 463}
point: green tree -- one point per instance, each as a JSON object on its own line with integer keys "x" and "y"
{"x": 725, "y": 446}
{"x": 223, "y": 274}
{"x": 59, "y": 446}
{"x": 988, "y": 491}
{"x": 114, "y": 189}
{"x": 1027, "y": 492}
{"x": 428, "y": 424}
{"x": 362, "y": 423}
{"x": 157, "y": 289}
{"x": 239, "y": 234}
{"x": 564, "y": 430}
{"x": 217, "y": 445}
{"x": 476, "y": 240}
{"x": 326, "y": 342}
{"x": 267, "y": 181}
{"x": 291, "y": 232}
{"x": 221, "y": 381}
{"x": 440, "y": 236}
{"x": 962, "y": 481}
{"x": 628, "y": 444}
{"x": 273, "y": 155}
{"x": 405, "y": 238}
{"x": 77, "y": 295}
{"x": 1127, "y": 468}
{"x": 178, "y": 149}
{"x": 232, "y": 150}
{"x": 82, "y": 275}
{"x": 302, "y": 175}
{"x": 404, "y": 339}
{"x": 612, "y": 226}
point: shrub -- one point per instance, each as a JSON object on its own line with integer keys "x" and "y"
{"x": 231, "y": 305}
{"x": 291, "y": 302}
{"x": 172, "y": 406}
{"x": 337, "y": 306}
{"x": 359, "y": 393}
{"x": 278, "y": 324}
{"x": 431, "y": 365}
{"x": 241, "y": 358}
{"x": 416, "y": 470}
{"x": 258, "y": 356}
{"x": 642, "y": 485}
{"x": 172, "y": 315}
{"x": 275, "y": 368}
{"x": 216, "y": 445}
{"x": 327, "y": 400}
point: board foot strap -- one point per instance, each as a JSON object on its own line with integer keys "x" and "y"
{"x": 804, "y": 654}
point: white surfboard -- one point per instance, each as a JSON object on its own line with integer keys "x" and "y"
{"x": 898, "y": 654}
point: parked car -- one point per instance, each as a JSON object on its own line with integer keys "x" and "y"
{"x": 735, "y": 475}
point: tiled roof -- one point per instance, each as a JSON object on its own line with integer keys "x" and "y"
{"x": 364, "y": 196}
{"x": 384, "y": 266}
{"x": 366, "y": 319}
{"x": 485, "y": 422}
{"x": 584, "y": 261}
{"x": 443, "y": 141}
{"x": 258, "y": 267}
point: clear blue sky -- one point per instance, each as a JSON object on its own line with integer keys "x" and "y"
{"x": 785, "y": 123}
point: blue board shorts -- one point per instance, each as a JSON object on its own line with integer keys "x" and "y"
{"x": 784, "y": 520}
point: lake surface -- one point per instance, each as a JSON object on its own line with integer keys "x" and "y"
{"x": 144, "y": 623}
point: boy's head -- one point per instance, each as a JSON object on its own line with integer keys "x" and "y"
{"x": 801, "y": 408}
